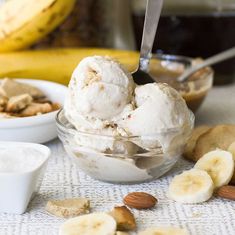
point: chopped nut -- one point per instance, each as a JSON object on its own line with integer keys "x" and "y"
{"x": 227, "y": 192}
{"x": 10, "y": 87}
{"x": 124, "y": 218}
{"x": 35, "y": 109}
{"x": 17, "y": 103}
{"x": 68, "y": 207}
{"x": 91, "y": 77}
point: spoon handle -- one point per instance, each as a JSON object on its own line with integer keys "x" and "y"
{"x": 225, "y": 55}
{"x": 152, "y": 15}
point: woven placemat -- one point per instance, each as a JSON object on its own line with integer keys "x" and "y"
{"x": 64, "y": 180}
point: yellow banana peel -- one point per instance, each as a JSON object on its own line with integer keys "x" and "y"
{"x": 56, "y": 64}
{"x": 23, "y": 22}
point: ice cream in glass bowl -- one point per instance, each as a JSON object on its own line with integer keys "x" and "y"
{"x": 117, "y": 131}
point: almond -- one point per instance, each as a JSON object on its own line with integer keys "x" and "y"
{"x": 227, "y": 191}
{"x": 140, "y": 200}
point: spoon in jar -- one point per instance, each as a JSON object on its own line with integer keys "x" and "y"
{"x": 152, "y": 15}
{"x": 222, "y": 56}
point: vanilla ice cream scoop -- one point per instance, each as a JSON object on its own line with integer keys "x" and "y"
{"x": 122, "y": 132}
{"x": 159, "y": 108}
{"x": 99, "y": 88}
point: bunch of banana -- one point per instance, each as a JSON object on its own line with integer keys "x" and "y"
{"x": 24, "y": 22}
{"x": 57, "y": 64}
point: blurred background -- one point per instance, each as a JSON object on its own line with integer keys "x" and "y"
{"x": 195, "y": 28}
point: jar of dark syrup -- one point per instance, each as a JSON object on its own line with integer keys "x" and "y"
{"x": 195, "y": 28}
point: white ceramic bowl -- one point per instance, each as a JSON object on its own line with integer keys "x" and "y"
{"x": 36, "y": 129}
{"x": 17, "y": 188}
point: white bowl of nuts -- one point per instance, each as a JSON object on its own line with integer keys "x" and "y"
{"x": 28, "y": 108}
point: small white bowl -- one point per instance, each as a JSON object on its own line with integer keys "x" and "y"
{"x": 17, "y": 188}
{"x": 36, "y": 129}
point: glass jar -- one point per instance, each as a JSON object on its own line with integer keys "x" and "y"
{"x": 94, "y": 23}
{"x": 194, "y": 28}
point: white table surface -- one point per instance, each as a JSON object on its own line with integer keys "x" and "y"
{"x": 64, "y": 180}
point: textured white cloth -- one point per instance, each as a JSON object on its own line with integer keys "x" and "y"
{"x": 64, "y": 180}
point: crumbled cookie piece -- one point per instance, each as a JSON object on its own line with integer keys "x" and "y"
{"x": 68, "y": 207}
{"x": 43, "y": 100}
{"x": 18, "y": 99}
{"x": 55, "y": 106}
{"x": 35, "y": 109}
{"x": 124, "y": 218}
{"x": 189, "y": 148}
{"x": 220, "y": 136}
{"x": 10, "y": 87}
{"x": 17, "y": 103}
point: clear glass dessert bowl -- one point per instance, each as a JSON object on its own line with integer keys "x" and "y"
{"x": 125, "y": 160}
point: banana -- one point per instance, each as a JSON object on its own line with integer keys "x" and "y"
{"x": 95, "y": 224}
{"x": 164, "y": 231}
{"x": 219, "y": 164}
{"x": 24, "y": 22}
{"x": 192, "y": 186}
{"x": 57, "y": 64}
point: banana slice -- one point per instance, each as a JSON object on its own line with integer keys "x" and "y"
{"x": 219, "y": 164}
{"x": 95, "y": 224}
{"x": 164, "y": 231}
{"x": 193, "y": 186}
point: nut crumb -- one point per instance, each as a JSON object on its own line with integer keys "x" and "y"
{"x": 124, "y": 218}
{"x": 196, "y": 215}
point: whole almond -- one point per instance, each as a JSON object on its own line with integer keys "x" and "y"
{"x": 227, "y": 192}
{"x": 140, "y": 200}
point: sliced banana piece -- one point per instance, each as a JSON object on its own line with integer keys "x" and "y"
{"x": 95, "y": 224}
{"x": 192, "y": 186}
{"x": 219, "y": 164}
{"x": 164, "y": 231}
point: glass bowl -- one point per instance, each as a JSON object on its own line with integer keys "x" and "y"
{"x": 124, "y": 160}
{"x": 166, "y": 68}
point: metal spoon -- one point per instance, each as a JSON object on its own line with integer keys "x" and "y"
{"x": 209, "y": 61}
{"x": 152, "y": 15}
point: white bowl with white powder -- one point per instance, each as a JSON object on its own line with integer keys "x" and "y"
{"x": 22, "y": 166}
